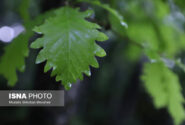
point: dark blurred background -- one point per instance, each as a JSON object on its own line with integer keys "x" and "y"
{"x": 113, "y": 95}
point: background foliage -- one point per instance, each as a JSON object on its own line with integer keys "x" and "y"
{"x": 145, "y": 54}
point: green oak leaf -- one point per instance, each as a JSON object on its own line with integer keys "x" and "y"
{"x": 163, "y": 85}
{"x": 68, "y": 45}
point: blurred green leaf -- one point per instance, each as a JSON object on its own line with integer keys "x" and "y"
{"x": 16, "y": 52}
{"x": 153, "y": 28}
{"x": 164, "y": 87}
{"x": 114, "y": 14}
{"x": 13, "y": 59}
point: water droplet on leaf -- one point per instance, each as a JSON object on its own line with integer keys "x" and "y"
{"x": 124, "y": 24}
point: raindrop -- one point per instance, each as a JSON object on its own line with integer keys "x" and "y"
{"x": 68, "y": 86}
{"x": 124, "y": 24}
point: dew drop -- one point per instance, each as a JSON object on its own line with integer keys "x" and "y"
{"x": 68, "y": 86}
{"x": 124, "y": 24}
